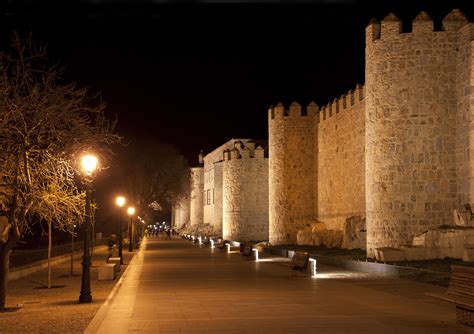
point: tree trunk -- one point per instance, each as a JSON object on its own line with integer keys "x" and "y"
{"x": 5, "y": 252}
{"x": 50, "y": 242}
{"x": 71, "y": 272}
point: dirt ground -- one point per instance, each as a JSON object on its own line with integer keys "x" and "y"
{"x": 56, "y": 310}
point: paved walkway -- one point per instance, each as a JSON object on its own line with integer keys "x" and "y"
{"x": 176, "y": 286}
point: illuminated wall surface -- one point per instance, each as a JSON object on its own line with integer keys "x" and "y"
{"x": 396, "y": 150}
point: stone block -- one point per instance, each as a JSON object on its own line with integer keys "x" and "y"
{"x": 469, "y": 240}
{"x": 414, "y": 253}
{"x": 304, "y": 237}
{"x": 107, "y": 272}
{"x": 116, "y": 261}
{"x": 426, "y": 239}
{"x": 468, "y": 255}
{"x": 389, "y": 254}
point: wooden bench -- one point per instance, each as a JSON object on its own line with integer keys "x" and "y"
{"x": 247, "y": 251}
{"x": 461, "y": 293}
{"x": 300, "y": 260}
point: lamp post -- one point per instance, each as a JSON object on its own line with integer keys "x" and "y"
{"x": 89, "y": 164}
{"x": 120, "y": 201}
{"x": 131, "y": 212}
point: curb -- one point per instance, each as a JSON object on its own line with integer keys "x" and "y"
{"x": 95, "y": 323}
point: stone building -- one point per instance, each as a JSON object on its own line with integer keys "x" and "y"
{"x": 229, "y": 194}
{"x": 213, "y": 178}
{"x": 388, "y": 161}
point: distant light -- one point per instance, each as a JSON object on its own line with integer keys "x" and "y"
{"x": 120, "y": 201}
{"x": 131, "y": 210}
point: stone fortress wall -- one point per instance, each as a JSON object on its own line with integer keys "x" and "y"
{"x": 196, "y": 216}
{"x": 396, "y": 152}
{"x": 418, "y": 159}
{"x": 381, "y": 167}
{"x": 180, "y": 215}
{"x": 291, "y": 165}
{"x": 213, "y": 178}
{"x": 245, "y": 193}
{"x": 340, "y": 171}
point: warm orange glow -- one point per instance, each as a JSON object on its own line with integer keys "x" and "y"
{"x": 89, "y": 163}
{"x": 120, "y": 201}
{"x": 131, "y": 210}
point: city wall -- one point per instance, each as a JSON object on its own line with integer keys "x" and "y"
{"x": 341, "y": 160}
{"x": 418, "y": 165}
{"x": 245, "y": 194}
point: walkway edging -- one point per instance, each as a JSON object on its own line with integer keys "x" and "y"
{"x": 95, "y": 323}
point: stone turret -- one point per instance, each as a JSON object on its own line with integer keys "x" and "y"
{"x": 411, "y": 116}
{"x": 291, "y": 171}
{"x": 245, "y": 194}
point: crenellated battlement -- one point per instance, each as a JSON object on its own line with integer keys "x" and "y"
{"x": 344, "y": 102}
{"x": 295, "y": 110}
{"x": 391, "y": 26}
{"x": 244, "y": 154}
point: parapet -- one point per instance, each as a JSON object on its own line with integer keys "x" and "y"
{"x": 346, "y": 101}
{"x": 244, "y": 154}
{"x": 391, "y": 25}
{"x": 454, "y": 20}
{"x": 295, "y": 110}
{"x": 423, "y": 23}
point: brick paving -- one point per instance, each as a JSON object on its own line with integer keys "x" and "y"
{"x": 179, "y": 287}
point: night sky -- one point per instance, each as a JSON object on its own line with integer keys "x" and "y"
{"x": 196, "y": 74}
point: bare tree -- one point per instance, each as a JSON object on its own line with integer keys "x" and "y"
{"x": 45, "y": 125}
{"x": 157, "y": 176}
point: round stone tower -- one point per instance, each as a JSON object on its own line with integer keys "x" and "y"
{"x": 196, "y": 214}
{"x": 245, "y": 192}
{"x": 292, "y": 184}
{"x": 410, "y": 117}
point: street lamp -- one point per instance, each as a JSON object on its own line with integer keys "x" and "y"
{"x": 131, "y": 212}
{"x": 120, "y": 201}
{"x": 89, "y": 164}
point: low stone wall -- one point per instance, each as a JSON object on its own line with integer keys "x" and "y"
{"x": 30, "y": 268}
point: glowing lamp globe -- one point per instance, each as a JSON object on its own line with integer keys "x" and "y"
{"x": 89, "y": 163}
{"x": 131, "y": 210}
{"x": 120, "y": 201}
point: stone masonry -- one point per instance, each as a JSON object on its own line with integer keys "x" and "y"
{"x": 197, "y": 190}
{"x": 213, "y": 178}
{"x": 245, "y": 194}
{"x": 396, "y": 152}
{"x": 418, "y": 165}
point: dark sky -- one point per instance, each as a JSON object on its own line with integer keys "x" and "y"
{"x": 195, "y": 74}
